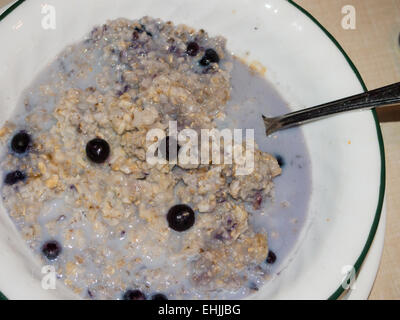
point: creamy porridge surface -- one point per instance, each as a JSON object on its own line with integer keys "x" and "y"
{"x": 106, "y": 225}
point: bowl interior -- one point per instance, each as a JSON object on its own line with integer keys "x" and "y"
{"x": 305, "y": 66}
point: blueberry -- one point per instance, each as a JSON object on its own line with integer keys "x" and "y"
{"x": 135, "y": 35}
{"x": 192, "y": 49}
{"x": 134, "y": 295}
{"x": 98, "y": 150}
{"x": 90, "y": 293}
{"x": 210, "y": 56}
{"x": 51, "y": 249}
{"x": 253, "y": 286}
{"x": 180, "y": 217}
{"x": 258, "y": 198}
{"x": 123, "y": 90}
{"x": 20, "y": 142}
{"x": 271, "y": 258}
{"x": 280, "y": 160}
{"x": 164, "y": 148}
{"x": 159, "y": 296}
{"x": 143, "y": 28}
{"x": 14, "y": 177}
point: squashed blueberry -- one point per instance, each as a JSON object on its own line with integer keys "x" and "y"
{"x": 253, "y": 286}
{"x": 90, "y": 294}
{"x": 14, "y": 177}
{"x": 135, "y": 35}
{"x": 143, "y": 28}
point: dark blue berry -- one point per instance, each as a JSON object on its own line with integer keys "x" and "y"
{"x": 51, "y": 249}
{"x": 253, "y": 286}
{"x": 192, "y": 49}
{"x": 180, "y": 217}
{"x": 97, "y": 150}
{"x": 271, "y": 258}
{"x": 134, "y": 295}
{"x": 280, "y": 160}
{"x": 123, "y": 90}
{"x": 90, "y": 294}
{"x": 143, "y": 28}
{"x": 165, "y": 148}
{"x": 20, "y": 142}
{"x": 14, "y": 177}
{"x": 159, "y": 296}
{"x": 135, "y": 35}
{"x": 210, "y": 56}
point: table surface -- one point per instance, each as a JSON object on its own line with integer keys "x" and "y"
{"x": 375, "y": 49}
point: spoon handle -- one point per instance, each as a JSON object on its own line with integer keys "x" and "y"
{"x": 388, "y": 95}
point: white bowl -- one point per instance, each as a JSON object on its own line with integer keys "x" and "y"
{"x": 306, "y": 65}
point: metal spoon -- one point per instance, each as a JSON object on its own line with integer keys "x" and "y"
{"x": 385, "y": 96}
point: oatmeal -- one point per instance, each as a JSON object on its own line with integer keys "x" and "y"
{"x": 79, "y": 188}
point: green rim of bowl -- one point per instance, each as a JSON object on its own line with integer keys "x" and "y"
{"x": 357, "y": 265}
